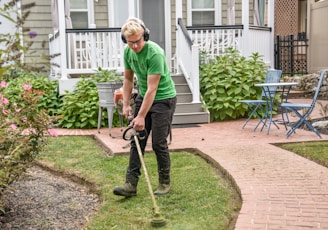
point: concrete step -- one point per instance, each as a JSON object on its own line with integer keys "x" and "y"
{"x": 182, "y": 88}
{"x": 189, "y": 107}
{"x": 191, "y": 118}
{"x": 187, "y": 112}
{"x": 184, "y": 97}
{"x": 178, "y": 78}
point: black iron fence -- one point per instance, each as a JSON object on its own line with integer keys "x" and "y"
{"x": 291, "y": 54}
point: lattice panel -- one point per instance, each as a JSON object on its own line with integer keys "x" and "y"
{"x": 285, "y": 21}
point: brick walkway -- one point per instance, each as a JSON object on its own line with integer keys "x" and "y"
{"x": 279, "y": 189}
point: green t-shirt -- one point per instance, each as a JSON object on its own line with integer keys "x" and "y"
{"x": 149, "y": 61}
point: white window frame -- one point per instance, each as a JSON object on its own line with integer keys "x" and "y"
{"x": 216, "y": 9}
{"x": 89, "y": 10}
{"x": 132, "y": 8}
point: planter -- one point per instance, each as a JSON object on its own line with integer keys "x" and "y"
{"x": 106, "y": 100}
{"x": 106, "y": 92}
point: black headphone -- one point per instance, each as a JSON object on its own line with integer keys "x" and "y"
{"x": 146, "y": 30}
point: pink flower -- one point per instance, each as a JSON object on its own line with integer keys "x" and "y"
{"x": 13, "y": 126}
{"x": 27, "y": 87}
{"x": 3, "y": 84}
{"x": 25, "y": 132}
{"x": 52, "y": 133}
{"x": 5, "y": 101}
{"x": 5, "y": 111}
{"x": 24, "y": 119}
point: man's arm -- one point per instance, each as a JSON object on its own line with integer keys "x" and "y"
{"x": 152, "y": 85}
{"x": 127, "y": 89}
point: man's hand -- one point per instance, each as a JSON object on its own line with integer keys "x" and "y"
{"x": 138, "y": 123}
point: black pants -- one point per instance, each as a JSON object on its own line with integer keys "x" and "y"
{"x": 157, "y": 123}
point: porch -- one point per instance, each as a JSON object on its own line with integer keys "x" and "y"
{"x": 76, "y": 52}
{"x": 85, "y": 50}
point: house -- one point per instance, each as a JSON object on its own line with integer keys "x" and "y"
{"x": 7, "y": 26}
{"x": 92, "y": 32}
{"x": 84, "y": 35}
{"x": 290, "y": 17}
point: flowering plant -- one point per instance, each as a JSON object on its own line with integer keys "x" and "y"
{"x": 23, "y": 131}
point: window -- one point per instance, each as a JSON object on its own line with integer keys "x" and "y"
{"x": 79, "y": 13}
{"x": 203, "y": 12}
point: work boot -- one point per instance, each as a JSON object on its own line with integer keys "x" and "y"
{"x": 162, "y": 189}
{"x": 126, "y": 189}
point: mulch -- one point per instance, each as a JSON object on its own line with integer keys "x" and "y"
{"x": 43, "y": 200}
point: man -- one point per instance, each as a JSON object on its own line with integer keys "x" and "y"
{"x": 154, "y": 107}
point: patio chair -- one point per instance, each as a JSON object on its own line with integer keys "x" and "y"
{"x": 256, "y": 106}
{"x": 303, "y": 111}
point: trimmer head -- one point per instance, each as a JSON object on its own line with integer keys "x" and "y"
{"x": 158, "y": 221}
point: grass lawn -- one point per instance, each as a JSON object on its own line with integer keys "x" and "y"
{"x": 316, "y": 151}
{"x": 201, "y": 196}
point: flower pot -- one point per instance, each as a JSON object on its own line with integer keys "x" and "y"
{"x": 106, "y": 100}
{"x": 106, "y": 92}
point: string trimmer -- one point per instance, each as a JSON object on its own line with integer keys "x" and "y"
{"x": 129, "y": 134}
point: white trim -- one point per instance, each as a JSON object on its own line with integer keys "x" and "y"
{"x": 62, "y": 32}
{"x": 167, "y": 23}
{"x": 245, "y": 22}
{"x": 271, "y": 25}
{"x": 217, "y": 12}
{"x": 110, "y": 10}
{"x": 189, "y": 21}
{"x": 91, "y": 13}
{"x": 178, "y": 10}
{"x": 134, "y": 9}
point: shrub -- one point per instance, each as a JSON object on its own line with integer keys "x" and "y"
{"x": 80, "y": 107}
{"x": 24, "y": 124}
{"x": 49, "y": 100}
{"x": 227, "y": 79}
{"x": 22, "y": 132}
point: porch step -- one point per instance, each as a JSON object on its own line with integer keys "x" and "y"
{"x": 189, "y": 107}
{"x": 190, "y": 118}
{"x": 187, "y": 112}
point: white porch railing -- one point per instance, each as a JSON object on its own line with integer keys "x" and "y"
{"x": 187, "y": 58}
{"x": 214, "y": 41}
{"x": 261, "y": 41}
{"x": 86, "y": 50}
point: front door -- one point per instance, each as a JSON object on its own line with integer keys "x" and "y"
{"x": 152, "y": 13}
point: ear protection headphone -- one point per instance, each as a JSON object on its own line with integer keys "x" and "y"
{"x": 146, "y": 30}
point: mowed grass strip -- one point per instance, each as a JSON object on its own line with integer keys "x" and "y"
{"x": 200, "y": 198}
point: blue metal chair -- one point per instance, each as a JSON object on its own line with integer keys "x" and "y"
{"x": 272, "y": 76}
{"x": 303, "y": 111}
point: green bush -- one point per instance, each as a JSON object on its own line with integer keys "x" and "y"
{"x": 227, "y": 79}
{"x": 23, "y": 129}
{"x": 49, "y": 100}
{"x": 80, "y": 107}
{"x": 23, "y": 97}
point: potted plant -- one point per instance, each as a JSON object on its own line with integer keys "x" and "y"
{"x": 107, "y": 82}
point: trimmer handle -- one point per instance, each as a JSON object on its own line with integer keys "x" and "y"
{"x": 130, "y": 132}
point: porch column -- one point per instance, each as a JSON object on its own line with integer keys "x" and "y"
{"x": 178, "y": 14}
{"x": 178, "y": 10}
{"x": 62, "y": 39}
{"x": 271, "y": 25}
{"x": 245, "y": 22}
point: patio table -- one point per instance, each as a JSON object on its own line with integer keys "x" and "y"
{"x": 270, "y": 90}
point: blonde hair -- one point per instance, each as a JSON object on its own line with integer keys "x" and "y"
{"x": 132, "y": 27}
